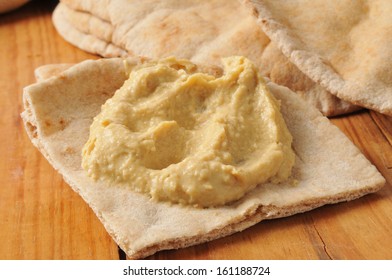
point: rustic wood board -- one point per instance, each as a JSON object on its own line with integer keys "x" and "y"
{"x": 42, "y": 218}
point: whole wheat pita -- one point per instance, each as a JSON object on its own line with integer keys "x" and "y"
{"x": 59, "y": 111}
{"x": 343, "y": 45}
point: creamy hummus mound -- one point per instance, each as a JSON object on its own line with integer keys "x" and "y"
{"x": 189, "y": 137}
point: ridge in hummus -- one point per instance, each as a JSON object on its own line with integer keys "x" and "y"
{"x": 185, "y": 136}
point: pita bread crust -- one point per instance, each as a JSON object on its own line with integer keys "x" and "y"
{"x": 353, "y": 68}
{"x": 329, "y": 168}
{"x": 243, "y": 38}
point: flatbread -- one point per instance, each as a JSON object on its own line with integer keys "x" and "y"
{"x": 88, "y": 23}
{"x": 59, "y": 111}
{"x": 143, "y": 32}
{"x": 343, "y": 45}
{"x": 84, "y": 41}
{"x": 99, "y": 8}
{"x": 281, "y": 71}
{"x": 50, "y": 70}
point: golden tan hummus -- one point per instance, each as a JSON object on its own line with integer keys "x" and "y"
{"x": 190, "y": 137}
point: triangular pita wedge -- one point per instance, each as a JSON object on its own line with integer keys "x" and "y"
{"x": 59, "y": 111}
{"x": 343, "y": 45}
{"x": 202, "y": 31}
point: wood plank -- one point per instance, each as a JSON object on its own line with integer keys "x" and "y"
{"x": 40, "y": 217}
{"x": 369, "y": 138}
{"x": 358, "y": 229}
{"x": 286, "y": 238}
{"x": 384, "y": 123}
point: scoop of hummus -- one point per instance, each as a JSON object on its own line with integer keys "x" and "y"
{"x": 184, "y": 136}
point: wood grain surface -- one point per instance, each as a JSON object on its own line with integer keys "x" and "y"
{"x": 42, "y": 218}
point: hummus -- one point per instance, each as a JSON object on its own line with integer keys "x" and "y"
{"x": 189, "y": 137}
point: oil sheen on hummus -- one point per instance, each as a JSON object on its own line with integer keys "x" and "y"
{"x": 188, "y": 137}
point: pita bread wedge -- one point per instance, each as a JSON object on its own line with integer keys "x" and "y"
{"x": 141, "y": 30}
{"x": 59, "y": 111}
{"x": 343, "y": 45}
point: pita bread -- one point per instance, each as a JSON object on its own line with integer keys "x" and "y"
{"x": 281, "y": 71}
{"x": 86, "y": 42}
{"x": 343, "y": 45}
{"x": 50, "y": 70}
{"x": 88, "y": 23}
{"x": 59, "y": 111}
{"x": 99, "y": 8}
{"x": 224, "y": 38}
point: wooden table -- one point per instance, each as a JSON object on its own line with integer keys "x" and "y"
{"x": 42, "y": 218}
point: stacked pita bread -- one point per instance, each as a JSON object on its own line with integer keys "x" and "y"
{"x": 203, "y": 31}
{"x": 60, "y": 109}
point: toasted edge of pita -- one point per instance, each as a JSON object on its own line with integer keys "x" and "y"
{"x": 86, "y": 42}
{"x": 318, "y": 68}
{"x": 328, "y": 168}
